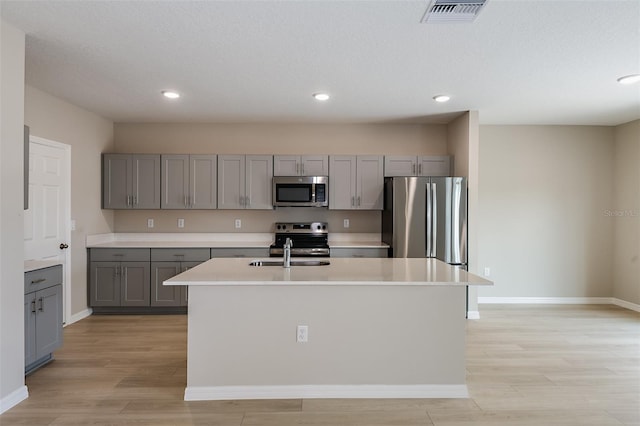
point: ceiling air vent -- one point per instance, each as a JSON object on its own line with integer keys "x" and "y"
{"x": 453, "y": 10}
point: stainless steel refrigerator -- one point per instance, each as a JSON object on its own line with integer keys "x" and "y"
{"x": 426, "y": 217}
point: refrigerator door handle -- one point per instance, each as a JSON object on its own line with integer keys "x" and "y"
{"x": 429, "y": 220}
{"x": 434, "y": 216}
{"x": 457, "y": 196}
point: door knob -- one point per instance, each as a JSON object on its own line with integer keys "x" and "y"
{"x": 63, "y": 246}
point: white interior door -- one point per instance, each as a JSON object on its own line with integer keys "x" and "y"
{"x": 46, "y": 222}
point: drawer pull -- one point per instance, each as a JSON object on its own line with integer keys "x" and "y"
{"x": 33, "y": 306}
{"x": 38, "y": 281}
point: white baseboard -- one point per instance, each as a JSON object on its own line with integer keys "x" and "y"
{"x": 13, "y": 399}
{"x": 625, "y": 304}
{"x": 79, "y": 316}
{"x": 473, "y": 314}
{"x": 215, "y": 393}
{"x": 560, "y": 301}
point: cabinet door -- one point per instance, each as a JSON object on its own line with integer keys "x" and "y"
{"x": 435, "y": 166}
{"x": 146, "y": 181}
{"x": 104, "y": 284}
{"x": 135, "y": 283}
{"x": 48, "y": 320}
{"x": 29, "y": 328}
{"x": 286, "y": 165}
{"x": 175, "y": 181}
{"x": 162, "y": 295}
{"x": 203, "y": 191}
{"x": 314, "y": 165}
{"x": 259, "y": 181}
{"x": 116, "y": 181}
{"x": 342, "y": 182}
{"x": 231, "y": 181}
{"x": 404, "y": 165}
{"x": 369, "y": 182}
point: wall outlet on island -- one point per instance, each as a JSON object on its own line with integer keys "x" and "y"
{"x": 345, "y": 223}
{"x": 302, "y": 334}
{"x": 487, "y": 271}
{"x": 149, "y": 223}
{"x": 238, "y": 224}
{"x": 180, "y": 223}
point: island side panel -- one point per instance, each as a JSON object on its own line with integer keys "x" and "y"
{"x": 358, "y": 335}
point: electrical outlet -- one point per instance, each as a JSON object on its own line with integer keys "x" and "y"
{"x": 487, "y": 271}
{"x": 302, "y": 334}
{"x": 180, "y": 223}
{"x": 149, "y": 223}
{"x": 238, "y": 224}
{"x": 345, "y": 223}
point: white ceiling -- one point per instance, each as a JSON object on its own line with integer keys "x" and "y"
{"x": 520, "y": 62}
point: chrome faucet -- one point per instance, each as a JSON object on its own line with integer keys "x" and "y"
{"x": 287, "y": 253}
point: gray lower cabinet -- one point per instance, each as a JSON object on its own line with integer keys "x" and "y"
{"x": 119, "y": 277}
{"x": 359, "y": 252}
{"x": 254, "y": 252}
{"x": 42, "y": 316}
{"x": 167, "y": 263}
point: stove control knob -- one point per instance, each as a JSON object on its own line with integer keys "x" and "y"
{"x": 324, "y": 226}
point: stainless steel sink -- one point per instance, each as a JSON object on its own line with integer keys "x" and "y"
{"x": 293, "y": 263}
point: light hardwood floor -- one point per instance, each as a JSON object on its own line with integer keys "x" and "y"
{"x": 526, "y": 365}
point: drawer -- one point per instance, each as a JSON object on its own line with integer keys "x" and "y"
{"x": 119, "y": 255}
{"x": 240, "y": 252}
{"x": 180, "y": 255}
{"x": 359, "y": 252}
{"x": 42, "y": 278}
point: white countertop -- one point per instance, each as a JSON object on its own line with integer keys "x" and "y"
{"x": 341, "y": 271}
{"x": 219, "y": 240}
{"x": 34, "y": 265}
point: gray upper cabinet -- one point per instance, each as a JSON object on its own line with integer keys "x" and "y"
{"x": 131, "y": 181}
{"x": 410, "y": 165}
{"x": 244, "y": 181}
{"x": 300, "y": 165}
{"x": 356, "y": 182}
{"x": 189, "y": 181}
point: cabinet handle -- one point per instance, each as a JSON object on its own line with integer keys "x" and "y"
{"x": 413, "y": 168}
{"x": 128, "y": 200}
{"x": 135, "y": 200}
{"x": 353, "y": 201}
{"x": 192, "y": 203}
{"x": 41, "y": 304}
{"x": 33, "y": 306}
{"x": 185, "y": 201}
{"x": 358, "y": 201}
{"x": 248, "y": 204}
{"x": 302, "y": 168}
{"x": 38, "y": 281}
{"x": 420, "y": 169}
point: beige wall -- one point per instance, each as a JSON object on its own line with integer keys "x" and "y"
{"x": 12, "y": 389}
{"x": 542, "y": 194}
{"x": 268, "y": 139}
{"x": 89, "y": 135}
{"x": 624, "y": 212}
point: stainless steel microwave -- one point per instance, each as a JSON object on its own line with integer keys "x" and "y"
{"x": 300, "y": 191}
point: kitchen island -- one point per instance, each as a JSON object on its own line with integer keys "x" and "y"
{"x": 376, "y": 328}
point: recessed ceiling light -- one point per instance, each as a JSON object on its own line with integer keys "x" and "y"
{"x": 321, "y": 96}
{"x": 170, "y": 94}
{"x": 441, "y": 98}
{"x": 629, "y": 79}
